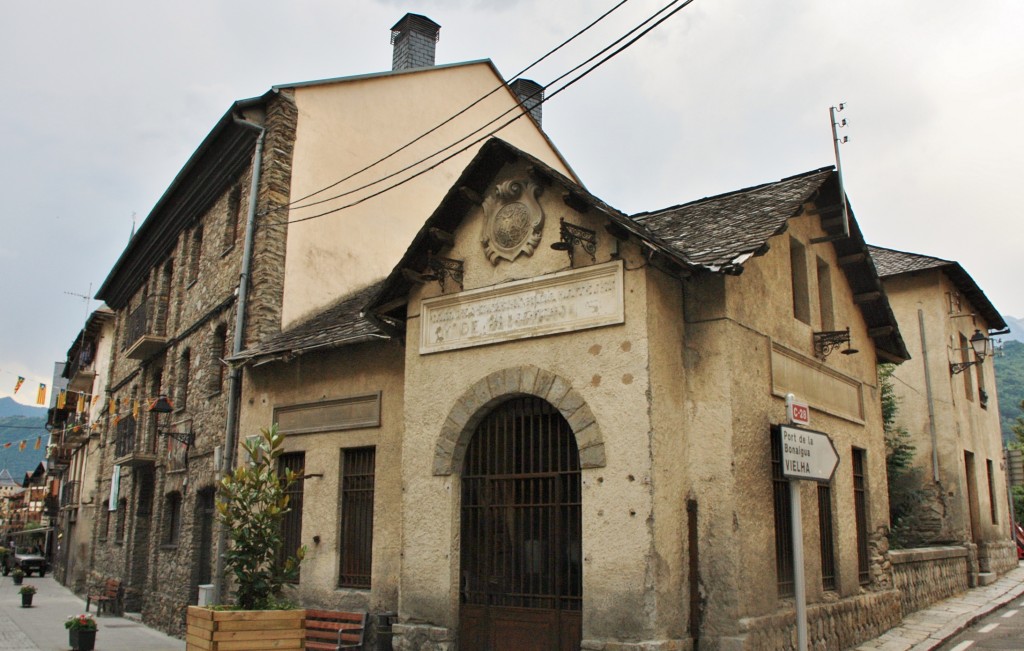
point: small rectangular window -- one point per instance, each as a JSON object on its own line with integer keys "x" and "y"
{"x": 992, "y": 492}
{"x": 172, "y": 519}
{"x": 825, "y": 307}
{"x": 356, "y": 543}
{"x": 826, "y": 537}
{"x": 965, "y": 357}
{"x": 291, "y": 525}
{"x": 798, "y": 272}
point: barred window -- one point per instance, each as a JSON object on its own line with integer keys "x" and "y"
{"x": 356, "y": 544}
{"x": 172, "y": 519}
{"x": 860, "y": 506}
{"x": 291, "y": 524}
{"x": 783, "y": 532}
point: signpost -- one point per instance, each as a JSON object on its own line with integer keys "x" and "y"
{"x": 805, "y": 455}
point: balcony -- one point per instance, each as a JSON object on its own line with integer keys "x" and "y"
{"x": 58, "y": 458}
{"x": 146, "y": 334}
{"x": 131, "y": 447}
{"x": 82, "y": 370}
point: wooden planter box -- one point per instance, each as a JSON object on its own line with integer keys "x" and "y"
{"x": 244, "y": 630}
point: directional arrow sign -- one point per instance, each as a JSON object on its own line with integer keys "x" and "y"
{"x": 807, "y": 455}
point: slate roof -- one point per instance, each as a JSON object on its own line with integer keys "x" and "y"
{"x": 340, "y": 324}
{"x": 891, "y": 262}
{"x": 722, "y": 231}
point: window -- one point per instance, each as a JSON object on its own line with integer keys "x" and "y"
{"x": 826, "y": 537}
{"x": 992, "y": 492}
{"x": 231, "y": 218}
{"x": 825, "y": 307}
{"x": 172, "y": 519}
{"x": 783, "y": 529}
{"x": 195, "y": 249}
{"x": 979, "y": 370}
{"x": 798, "y": 271}
{"x": 218, "y": 352}
{"x": 183, "y": 372}
{"x": 860, "y": 510}
{"x": 291, "y": 525}
{"x": 122, "y": 507}
{"x": 356, "y": 544}
{"x": 965, "y": 356}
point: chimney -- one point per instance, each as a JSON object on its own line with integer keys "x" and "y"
{"x": 414, "y": 39}
{"x": 531, "y": 94}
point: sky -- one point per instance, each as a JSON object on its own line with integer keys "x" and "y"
{"x": 103, "y": 102}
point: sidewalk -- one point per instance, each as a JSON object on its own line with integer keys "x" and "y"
{"x": 929, "y": 628}
{"x": 41, "y": 627}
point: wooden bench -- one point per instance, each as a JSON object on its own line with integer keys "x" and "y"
{"x": 329, "y": 630}
{"x": 109, "y": 598}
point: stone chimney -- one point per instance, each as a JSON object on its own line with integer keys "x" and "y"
{"x": 531, "y": 94}
{"x": 415, "y": 40}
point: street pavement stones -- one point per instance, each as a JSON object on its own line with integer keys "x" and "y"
{"x": 41, "y": 627}
{"x": 928, "y": 629}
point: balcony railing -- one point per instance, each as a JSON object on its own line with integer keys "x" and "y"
{"x": 131, "y": 446}
{"x": 146, "y": 333}
{"x": 81, "y": 370}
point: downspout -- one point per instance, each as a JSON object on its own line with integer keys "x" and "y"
{"x": 235, "y": 374}
{"x": 931, "y": 400}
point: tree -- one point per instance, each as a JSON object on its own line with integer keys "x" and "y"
{"x": 905, "y": 492}
{"x": 251, "y": 504}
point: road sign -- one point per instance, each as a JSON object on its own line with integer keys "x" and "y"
{"x": 798, "y": 412}
{"x": 807, "y": 455}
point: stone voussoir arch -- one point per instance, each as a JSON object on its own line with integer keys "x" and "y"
{"x": 473, "y": 405}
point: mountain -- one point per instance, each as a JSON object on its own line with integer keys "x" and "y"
{"x": 9, "y": 407}
{"x": 1010, "y": 384}
{"x": 1016, "y": 329}
{"x": 14, "y": 430}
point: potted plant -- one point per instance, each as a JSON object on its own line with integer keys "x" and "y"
{"x": 27, "y": 592}
{"x": 251, "y": 504}
{"x": 81, "y": 632}
{"x": 18, "y": 575}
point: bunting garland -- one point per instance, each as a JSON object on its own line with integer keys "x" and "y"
{"x": 17, "y": 385}
{"x": 41, "y": 396}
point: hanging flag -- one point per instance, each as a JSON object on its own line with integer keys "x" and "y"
{"x": 62, "y": 399}
{"x": 21, "y": 446}
{"x": 7, "y": 445}
{"x": 41, "y": 398}
{"x": 81, "y": 403}
{"x": 135, "y": 409}
{"x": 39, "y": 442}
{"x": 17, "y": 385}
{"x": 113, "y": 407}
{"x": 95, "y": 398}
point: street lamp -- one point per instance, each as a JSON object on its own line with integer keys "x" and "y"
{"x": 982, "y": 347}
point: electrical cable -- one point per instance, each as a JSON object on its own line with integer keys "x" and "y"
{"x": 520, "y": 103}
{"x": 453, "y": 117}
{"x": 492, "y": 132}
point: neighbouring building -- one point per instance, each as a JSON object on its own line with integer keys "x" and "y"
{"x": 556, "y": 426}
{"x": 269, "y": 221}
{"x": 75, "y": 421}
{"x": 948, "y": 406}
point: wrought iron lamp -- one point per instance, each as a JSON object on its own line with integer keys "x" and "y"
{"x": 441, "y": 268}
{"x": 982, "y": 347}
{"x": 162, "y": 405}
{"x": 827, "y": 341}
{"x": 573, "y": 236}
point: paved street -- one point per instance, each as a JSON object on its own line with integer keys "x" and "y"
{"x": 41, "y": 627}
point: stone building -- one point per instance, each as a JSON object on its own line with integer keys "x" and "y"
{"x": 272, "y": 218}
{"x": 75, "y": 422}
{"x": 556, "y": 426}
{"x": 948, "y": 405}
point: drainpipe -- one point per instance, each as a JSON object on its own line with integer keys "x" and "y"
{"x": 931, "y": 400}
{"x": 235, "y": 374}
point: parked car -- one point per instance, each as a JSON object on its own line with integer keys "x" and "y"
{"x": 27, "y": 560}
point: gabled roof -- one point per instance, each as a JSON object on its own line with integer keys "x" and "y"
{"x": 6, "y": 479}
{"x": 891, "y": 263}
{"x": 101, "y": 316}
{"x": 340, "y": 324}
{"x": 713, "y": 235}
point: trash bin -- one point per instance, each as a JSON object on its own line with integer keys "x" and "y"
{"x": 382, "y": 629}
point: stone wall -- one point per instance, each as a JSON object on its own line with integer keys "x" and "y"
{"x": 842, "y": 624}
{"x": 998, "y": 557}
{"x": 924, "y": 576}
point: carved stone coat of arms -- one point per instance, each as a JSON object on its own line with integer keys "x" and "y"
{"x": 513, "y": 220}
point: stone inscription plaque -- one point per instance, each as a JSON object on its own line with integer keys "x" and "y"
{"x": 562, "y": 302}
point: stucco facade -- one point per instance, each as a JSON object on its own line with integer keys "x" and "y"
{"x": 670, "y": 375}
{"x": 951, "y": 412}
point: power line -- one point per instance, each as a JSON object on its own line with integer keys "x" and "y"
{"x": 453, "y": 117}
{"x": 632, "y": 41}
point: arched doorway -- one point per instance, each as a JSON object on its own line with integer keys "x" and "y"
{"x": 521, "y": 582}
